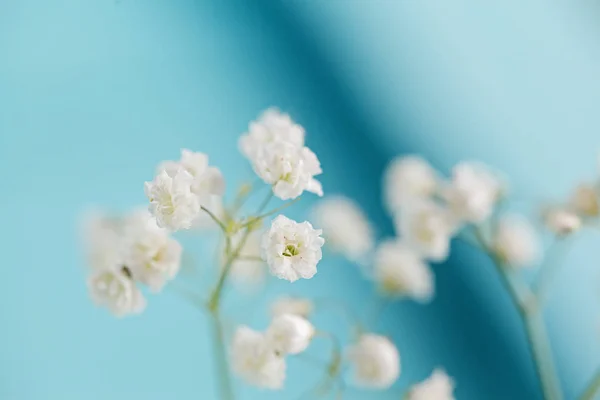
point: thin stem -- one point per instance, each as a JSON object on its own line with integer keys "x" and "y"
{"x": 537, "y": 337}
{"x": 214, "y": 218}
{"x": 222, "y": 365}
{"x": 592, "y": 389}
{"x": 332, "y": 371}
{"x": 553, "y": 260}
{"x": 269, "y": 213}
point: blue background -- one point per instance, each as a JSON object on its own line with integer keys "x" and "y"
{"x": 93, "y": 94}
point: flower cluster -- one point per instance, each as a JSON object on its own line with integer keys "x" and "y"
{"x": 123, "y": 252}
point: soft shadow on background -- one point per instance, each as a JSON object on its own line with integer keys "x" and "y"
{"x": 94, "y": 94}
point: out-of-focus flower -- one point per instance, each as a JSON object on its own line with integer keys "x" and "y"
{"x": 271, "y": 126}
{"x": 207, "y": 181}
{"x": 516, "y": 242}
{"x": 345, "y": 227}
{"x": 151, "y": 255}
{"x": 375, "y": 362}
{"x": 291, "y": 249}
{"x": 249, "y": 269}
{"x": 585, "y": 201}
{"x": 115, "y": 290}
{"x": 439, "y": 386}
{"x": 103, "y": 236}
{"x": 407, "y": 179}
{"x": 292, "y": 305}
{"x": 172, "y": 201}
{"x": 400, "y": 271}
{"x": 289, "y": 169}
{"x": 473, "y": 192}
{"x": 290, "y": 334}
{"x": 427, "y": 227}
{"x": 255, "y": 361}
{"x": 561, "y": 221}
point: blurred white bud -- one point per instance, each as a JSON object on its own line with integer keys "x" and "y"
{"x": 400, "y": 271}
{"x": 439, "y": 386}
{"x": 292, "y": 305}
{"x": 255, "y": 361}
{"x": 561, "y": 221}
{"x": 345, "y": 226}
{"x": 291, "y": 249}
{"x": 375, "y": 362}
{"x": 115, "y": 290}
{"x": 290, "y": 334}
{"x": 585, "y": 201}
{"x": 408, "y": 178}
{"x": 516, "y": 241}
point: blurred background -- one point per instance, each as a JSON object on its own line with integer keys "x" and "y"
{"x": 93, "y": 94}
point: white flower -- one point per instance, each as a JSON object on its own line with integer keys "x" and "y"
{"x": 562, "y": 221}
{"x": 516, "y": 242}
{"x": 271, "y": 126}
{"x": 255, "y": 361}
{"x": 290, "y": 334}
{"x": 427, "y": 227}
{"x": 292, "y": 305}
{"x": 408, "y": 178}
{"x": 291, "y": 249}
{"x": 114, "y": 289}
{"x": 439, "y": 386}
{"x": 375, "y": 362}
{"x": 151, "y": 255}
{"x": 248, "y": 270}
{"x": 400, "y": 271}
{"x": 345, "y": 226}
{"x": 473, "y": 192}
{"x": 207, "y": 181}
{"x": 289, "y": 169}
{"x": 585, "y": 201}
{"x": 172, "y": 201}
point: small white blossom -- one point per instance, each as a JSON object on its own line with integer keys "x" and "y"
{"x": 292, "y": 305}
{"x": 289, "y": 169}
{"x": 271, "y": 126}
{"x": 439, "y": 386}
{"x": 585, "y": 201}
{"x": 427, "y": 227}
{"x": 400, "y": 271}
{"x": 375, "y": 362}
{"x": 473, "y": 192}
{"x": 249, "y": 270}
{"x": 151, "y": 255}
{"x": 290, "y": 334}
{"x": 345, "y": 226}
{"x": 291, "y": 249}
{"x": 562, "y": 221}
{"x": 516, "y": 242}
{"x": 255, "y": 361}
{"x": 172, "y": 201}
{"x": 115, "y": 290}
{"x": 408, "y": 178}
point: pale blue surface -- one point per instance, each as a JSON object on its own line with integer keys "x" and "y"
{"x": 93, "y": 94}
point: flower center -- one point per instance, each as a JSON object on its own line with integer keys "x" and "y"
{"x": 290, "y": 251}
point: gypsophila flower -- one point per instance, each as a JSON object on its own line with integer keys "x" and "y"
{"x": 249, "y": 269}
{"x": 115, "y": 290}
{"x": 290, "y": 334}
{"x": 427, "y": 227}
{"x": 255, "y": 361}
{"x": 439, "y": 386}
{"x": 561, "y": 221}
{"x": 406, "y": 179}
{"x": 585, "y": 201}
{"x": 292, "y": 305}
{"x": 289, "y": 169}
{"x": 375, "y": 362}
{"x": 345, "y": 227}
{"x": 151, "y": 255}
{"x": 516, "y": 242}
{"x": 473, "y": 191}
{"x": 271, "y": 126}
{"x": 172, "y": 201}
{"x": 400, "y": 271}
{"x": 291, "y": 249}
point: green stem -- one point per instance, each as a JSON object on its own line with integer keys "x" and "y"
{"x": 592, "y": 389}
{"x": 269, "y": 213}
{"x": 535, "y": 331}
{"x": 214, "y": 218}
{"x": 220, "y": 349}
